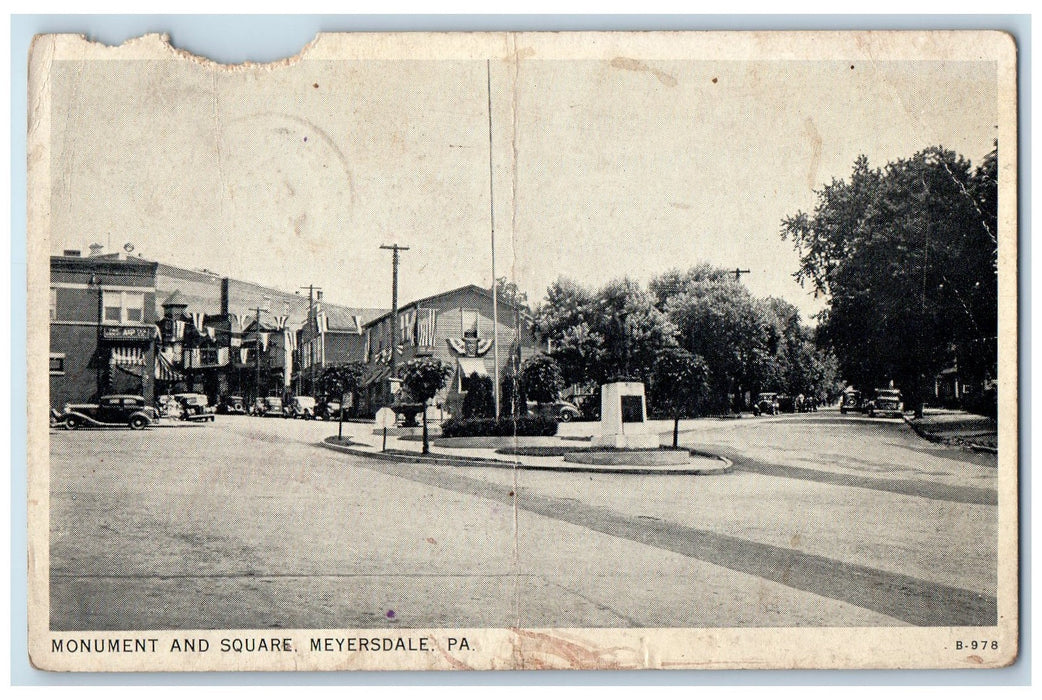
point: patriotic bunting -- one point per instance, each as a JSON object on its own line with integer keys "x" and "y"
{"x": 281, "y": 321}
{"x": 244, "y": 354}
{"x": 212, "y": 332}
{"x": 197, "y": 320}
{"x": 264, "y": 341}
{"x": 179, "y": 330}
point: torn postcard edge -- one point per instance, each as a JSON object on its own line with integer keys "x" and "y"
{"x": 107, "y": 592}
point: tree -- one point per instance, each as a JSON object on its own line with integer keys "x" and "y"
{"x": 512, "y": 294}
{"x": 907, "y": 257}
{"x": 479, "y": 401}
{"x": 541, "y": 378}
{"x": 718, "y": 320}
{"x": 423, "y": 378}
{"x": 341, "y": 380}
{"x": 680, "y": 383}
{"x": 607, "y": 335}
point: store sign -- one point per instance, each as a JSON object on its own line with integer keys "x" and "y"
{"x": 127, "y": 332}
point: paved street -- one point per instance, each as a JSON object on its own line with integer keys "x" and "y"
{"x": 248, "y": 523}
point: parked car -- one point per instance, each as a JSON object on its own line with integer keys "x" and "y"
{"x": 301, "y": 407}
{"x": 567, "y": 411}
{"x": 850, "y": 401}
{"x": 268, "y": 406}
{"x": 114, "y": 411}
{"x": 886, "y": 402}
{"x": 588, "y": 404}
{"x": 195, "y": 407}
{"x": 766, "y": 404}
{"x": 327, "y": 409}
{"x": 231, "y": 405}
{"x": 563, "y": 411}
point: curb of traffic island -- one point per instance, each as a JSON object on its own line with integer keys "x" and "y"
{"x": 456, "y": 461}
{"x": 932, "y": 437}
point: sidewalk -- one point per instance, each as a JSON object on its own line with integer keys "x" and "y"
{"x": 957, "y": 428}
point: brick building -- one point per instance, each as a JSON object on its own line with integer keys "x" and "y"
{"x": 102, "y": 327}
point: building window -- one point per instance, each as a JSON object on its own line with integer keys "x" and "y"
{"x": 469, "y": 323}
{"x": 54, "y": 304}
{"x": 57, "y": 363}
{"x": 123, "y": 307}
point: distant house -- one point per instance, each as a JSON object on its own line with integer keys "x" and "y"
{"x": 456, "y": 327}
{"x": 330, "y": 335}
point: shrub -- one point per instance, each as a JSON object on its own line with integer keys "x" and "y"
{"x": 479, "y": 401}
{"x": 523, "y": 426}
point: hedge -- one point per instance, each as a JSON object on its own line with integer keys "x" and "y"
{"x": 503, "y": 427}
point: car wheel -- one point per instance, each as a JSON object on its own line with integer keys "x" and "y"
{"x": 137, "y": 422}
{"x": 565, "y": 417}
{"x": 72, "y": 422}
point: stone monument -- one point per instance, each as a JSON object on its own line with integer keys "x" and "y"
{"x": 624, "y": 418}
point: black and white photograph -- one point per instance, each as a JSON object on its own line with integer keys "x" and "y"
{"x": 525, "y": 351}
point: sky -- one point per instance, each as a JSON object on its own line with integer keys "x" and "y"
{"x": 296, "y": 175}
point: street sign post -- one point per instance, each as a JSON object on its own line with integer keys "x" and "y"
{"x": 386, "y": 418}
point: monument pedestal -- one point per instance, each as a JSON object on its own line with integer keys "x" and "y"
{"x": 624, "y": 418}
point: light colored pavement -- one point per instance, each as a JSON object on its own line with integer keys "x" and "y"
{"x": 248, "y": 523}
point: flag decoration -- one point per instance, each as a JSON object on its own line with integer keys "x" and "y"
{"x": 358, "y": 324}
{"x": 368, "y": 337}
{"x": 244, "y": 354}
{"x": 222, "y": 356}
{"x": 238, "y": 318}
{"x": 127, "y": 356}
{"x": 281, "y": 321}
{"x": 458, "y": 345}
{"x": 291, "y": 339}
{"x": 425, "y": 325}
{"x": 179, "y": 330}
{"x": 407, "y": 327}
{"x": 212, "y": 332}
{"x": 483, "y": 346}
{"x": 197, "y": 320}
{"x": 322, "y": 322}
{"x": 264, "y": 341}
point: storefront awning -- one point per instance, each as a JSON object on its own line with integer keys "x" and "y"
{"x": 472, "y": 365}
{"x": 165, "y": 371}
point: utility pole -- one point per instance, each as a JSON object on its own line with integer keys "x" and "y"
{"x": 311, "y": 353}
{"x": 738, "y": 272}
{"x": 394, "y": 303}
{"x": 257, "y": 343}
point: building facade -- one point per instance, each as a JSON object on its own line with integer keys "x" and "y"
{"x": 331, "y": 335}
{"x": 456, "y": 327}
{"x": 102, "y": 328}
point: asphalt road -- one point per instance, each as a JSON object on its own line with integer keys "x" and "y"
{"x": 248, "y": 523}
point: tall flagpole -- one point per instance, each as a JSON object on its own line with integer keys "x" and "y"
{"x": 492, "y": 219}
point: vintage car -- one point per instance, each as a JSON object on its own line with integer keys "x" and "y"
{"x": 301, "y": 407}
{"x": 114, "y": 411}
{"x": 887, "y": 402}
{"x": 851, "y": 401}
{"x": 563, "y": 411}
{"x": 231, "y": 405}
{"x": 195, "y": 407}
{"x": 327, "y": 409}
{"x": 268, "y": 406}
{"x": 567, "y": 411}
{"x": 766, "y": 404}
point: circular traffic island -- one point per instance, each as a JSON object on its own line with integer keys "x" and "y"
{"x": 662, "y": 460}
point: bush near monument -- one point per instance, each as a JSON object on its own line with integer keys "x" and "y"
{"x": 522, "y": 426}
{"x": 479, "y": 401}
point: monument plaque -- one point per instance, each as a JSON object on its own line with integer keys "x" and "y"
{"x": 632, "y": 409}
